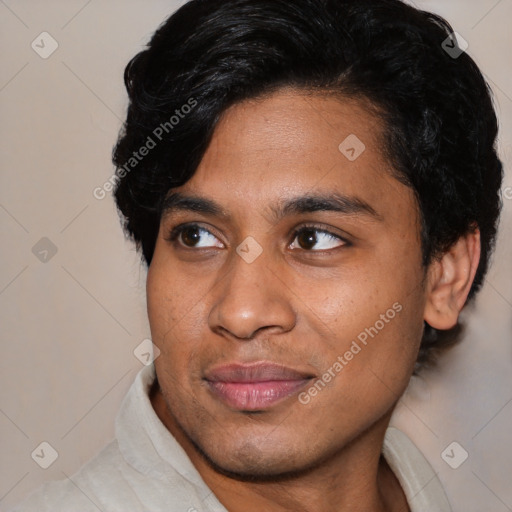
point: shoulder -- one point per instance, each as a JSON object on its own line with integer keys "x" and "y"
{"x": 419, "y": 481}
{"x": 144, "y": 469}
{"x": 108, "y": 483}
{"x": 77, "y": 492}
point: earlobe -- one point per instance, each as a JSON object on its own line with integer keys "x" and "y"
{"x": 449, "y": 281}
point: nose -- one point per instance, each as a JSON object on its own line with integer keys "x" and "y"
{"x": 251, "y": 297}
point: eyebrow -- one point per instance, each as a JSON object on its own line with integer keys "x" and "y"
{"x": 308, "y": 203}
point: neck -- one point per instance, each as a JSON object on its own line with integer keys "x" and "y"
{"x": 357, "y": 478}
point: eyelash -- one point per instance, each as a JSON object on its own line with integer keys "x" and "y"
{"x": 178, "y": 230}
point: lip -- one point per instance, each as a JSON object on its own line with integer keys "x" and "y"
{"x": 255, "y": 386}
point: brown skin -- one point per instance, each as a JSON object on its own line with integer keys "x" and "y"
{"x": 298, "y": 304}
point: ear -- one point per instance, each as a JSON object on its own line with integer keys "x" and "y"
{"x": 449, "y": 281}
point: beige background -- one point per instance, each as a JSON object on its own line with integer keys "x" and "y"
{"x": 70, "y": 324}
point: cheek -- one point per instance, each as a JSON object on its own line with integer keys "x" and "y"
{"x": 389, "y": 345}
{"x": 176, "y": 317}
{"x": 353, "y": 299}
{"x": 380, "y": 308}
{"x": 374, "y": 365}
{"x": 171, "y": 298}
{"x": 160, "y": 310}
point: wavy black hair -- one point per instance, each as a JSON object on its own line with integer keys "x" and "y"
{"x": 436, "y": 107}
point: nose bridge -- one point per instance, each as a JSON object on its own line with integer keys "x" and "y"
{"x": 251, "y": 296}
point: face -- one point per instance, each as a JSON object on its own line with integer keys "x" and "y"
{"x": 287, "y": 299}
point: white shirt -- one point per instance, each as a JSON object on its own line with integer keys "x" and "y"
{"x": 146, "y": 470}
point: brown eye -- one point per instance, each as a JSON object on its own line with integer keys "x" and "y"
{"x": 194, "y": 236}
{"x": 190, "y": 235}
{"x": 309, "y": 237}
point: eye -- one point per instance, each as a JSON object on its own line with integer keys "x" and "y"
{"x": 193, "y": 236}
{"x": 307, "y": 238}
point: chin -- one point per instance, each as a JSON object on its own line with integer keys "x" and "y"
{"x": 247, "y": 461}
{"x": 258, "y": 467}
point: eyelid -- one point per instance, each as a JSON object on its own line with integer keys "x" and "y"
{"x": 177, "y": 230}
{"x": 320, "y": 229}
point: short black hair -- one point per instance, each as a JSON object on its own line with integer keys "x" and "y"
{"x": 435, "y": 105}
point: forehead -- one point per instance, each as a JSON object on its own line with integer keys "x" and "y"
{"x": 295, "y": 126}
{"x": 290, "y": 144}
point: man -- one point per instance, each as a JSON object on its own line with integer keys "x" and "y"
{"x": 315, "y": 190}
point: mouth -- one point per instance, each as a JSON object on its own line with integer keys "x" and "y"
{"x": 256, "y": 386}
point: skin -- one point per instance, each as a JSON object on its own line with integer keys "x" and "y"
{"x": 300, "y": 304}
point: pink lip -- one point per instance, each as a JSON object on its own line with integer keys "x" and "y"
{"x": 254, "y": 386}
